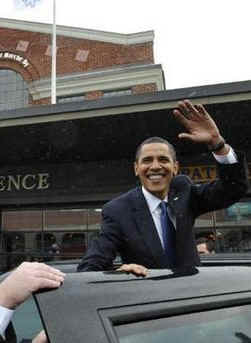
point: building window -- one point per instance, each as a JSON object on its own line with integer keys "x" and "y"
{"x": 72, "y": 98}
{"x": 120, "y": 92}
{"x": 13, "y": 90}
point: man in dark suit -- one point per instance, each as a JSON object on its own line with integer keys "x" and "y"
{"x": 132, "y": 223}
{"x": 17, "y": 287}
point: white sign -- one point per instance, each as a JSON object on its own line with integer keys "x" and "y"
{"x": 13, "y": 57}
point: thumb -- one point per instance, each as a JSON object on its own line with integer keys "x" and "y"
{"x": 185, "y": 136}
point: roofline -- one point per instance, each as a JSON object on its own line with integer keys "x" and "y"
{"x": 80, "y": 33}
{"x": 219, "y": 93}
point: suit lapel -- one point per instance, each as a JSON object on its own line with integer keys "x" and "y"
{"x": 177, "y": 200}
{"x": 146, "y": 227}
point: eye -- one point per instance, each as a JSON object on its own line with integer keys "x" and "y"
{"x": 164, "y": 159}
{"x": 146, "y": 160}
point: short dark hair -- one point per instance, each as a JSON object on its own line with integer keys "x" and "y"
{"x": 155, "y": 140}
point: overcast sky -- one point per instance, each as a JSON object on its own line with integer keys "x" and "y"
{"x": 198, "y": 42}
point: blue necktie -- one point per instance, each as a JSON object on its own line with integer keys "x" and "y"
{"x": 168, "y": 234}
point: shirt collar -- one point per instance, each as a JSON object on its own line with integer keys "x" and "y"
{"x": 152, "y": 201}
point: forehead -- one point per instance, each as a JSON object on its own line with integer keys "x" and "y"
{"x": 155, "y": 149}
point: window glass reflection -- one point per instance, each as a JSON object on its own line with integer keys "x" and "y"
{"x": 47, "y": 235}
{"x": 73, "y": 245}
{"x": 13, "y": 90}
{"x": 228, "y": 229}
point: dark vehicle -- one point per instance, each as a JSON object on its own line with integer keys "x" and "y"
{"x": 213, "y": 305}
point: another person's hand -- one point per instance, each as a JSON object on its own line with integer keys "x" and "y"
{"x": 135, "y": 269}
{"x": 199, "y": 124}
{"x": 26, "y": 279}
{"x": 40, "y": 338}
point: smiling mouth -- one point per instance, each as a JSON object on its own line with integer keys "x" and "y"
{"x": 155, "y": 177}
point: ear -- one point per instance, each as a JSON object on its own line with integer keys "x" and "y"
{"x": 136, "y": 168}
{"x": 176, "y": 168}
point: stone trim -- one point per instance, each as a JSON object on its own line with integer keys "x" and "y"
{"x": 109, "y": 79}
{"x": 76, "y": 32}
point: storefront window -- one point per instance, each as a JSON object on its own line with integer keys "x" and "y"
{"x": 227, "y": 230}
{"x": 14, "y": 245}
{"x": 73, "y": 245}
{"x": 47, "y": 235}
{"x": 13, "y": 90}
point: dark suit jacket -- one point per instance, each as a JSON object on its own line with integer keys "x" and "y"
{"x": 10, "y": 335}
{"x": 128, "y": 227}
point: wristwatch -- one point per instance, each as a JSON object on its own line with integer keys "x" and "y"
{"x": 217, "y": 147}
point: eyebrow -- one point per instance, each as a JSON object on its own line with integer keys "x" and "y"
{"x": 159, "y": 156}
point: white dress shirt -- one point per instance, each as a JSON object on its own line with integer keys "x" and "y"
{"x": 5, "y": 317}
{"x": 153, "y": 202}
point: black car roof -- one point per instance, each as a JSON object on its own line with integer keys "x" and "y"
{"x": 75, "y": 312}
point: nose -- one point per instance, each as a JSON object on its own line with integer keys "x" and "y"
{"x": 155, "y": 165}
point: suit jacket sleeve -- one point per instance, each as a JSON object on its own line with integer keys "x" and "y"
{"x": 104, "y": 248}
{"x": 231, "y": 186}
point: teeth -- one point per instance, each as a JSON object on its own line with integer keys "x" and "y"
{"x": 155, "y": 177}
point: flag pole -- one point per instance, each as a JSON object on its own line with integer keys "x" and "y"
{"x": 53, "y": 54}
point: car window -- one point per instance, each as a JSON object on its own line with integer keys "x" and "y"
{"x": 228, "y": 325}
{"x": 26, "y": 320}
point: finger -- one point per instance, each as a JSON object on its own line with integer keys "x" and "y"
{"x": 48, "y": 268}
{"x": 188, "y": 110}
{"x": 184, "y": 135}
{"x": 138, "y": 270}
{"x": 183, "y": 109}
{"x": 202, "y": 111}
{"x": 124, "y": 268}
{"x": 135, "y": 269}
{"x": 42, "y": 283}
{"x": 180, "y": 117}
{"x": 29, "y": 267}
{"x": 41, "y": 274}
{"x": 40, "y": 338}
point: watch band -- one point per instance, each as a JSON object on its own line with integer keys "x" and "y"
{"x": 217, "y": 147}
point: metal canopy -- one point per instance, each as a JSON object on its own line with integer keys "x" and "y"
{"x": 110, "y": 129}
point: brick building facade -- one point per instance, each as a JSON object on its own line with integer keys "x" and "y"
{"x": 90, "y": 64}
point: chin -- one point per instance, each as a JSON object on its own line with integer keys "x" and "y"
{"x": 156, "y": 192}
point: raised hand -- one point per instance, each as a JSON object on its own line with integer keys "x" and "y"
{"x": 199, "y": 124}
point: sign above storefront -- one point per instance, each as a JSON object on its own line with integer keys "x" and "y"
{"x": 39, "y": 181}
{"x": 77, "y": 182}
{"x": 200, "y": 173}
{"x": 5, "y": 55}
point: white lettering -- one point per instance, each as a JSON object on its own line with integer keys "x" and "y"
{"x": 17, "y": 58}
{"x": 2, "y": 185}
{"x": 43, "y": 181}
{"x": 26, "y": 182}
{"x": 15, "y": 181}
